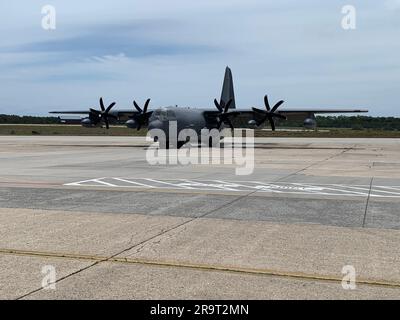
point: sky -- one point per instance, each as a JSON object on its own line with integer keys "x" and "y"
{"x": 175, "y": 53}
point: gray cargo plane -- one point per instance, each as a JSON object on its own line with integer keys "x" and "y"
{"x": 197, "y": 119}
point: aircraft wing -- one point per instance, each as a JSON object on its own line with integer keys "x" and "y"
{"x": 298, "y": 110}
{"x": 319, "y": 111}
{"x": 294, "y": 111}
{"x": 122, "y": 114}
{"x": 302, "y": 114}
{"x": 70, "y": 112}
{"x": 294, "y": 114}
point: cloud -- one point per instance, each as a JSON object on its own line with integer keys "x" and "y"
{"x": 175, "y": 52}
{"x": 392, "y": 4}
{"x": 107, "y": 58}
{"x": 135, "y": 39}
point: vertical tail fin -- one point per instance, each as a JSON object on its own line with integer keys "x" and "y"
{"x": 227, "y": 89}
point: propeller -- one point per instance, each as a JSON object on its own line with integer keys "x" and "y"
{"x": 270, "y": 114}
{"x": 104, "y": 114}
{"x": 142, "y": 116}
{"x": 224, "y": 115}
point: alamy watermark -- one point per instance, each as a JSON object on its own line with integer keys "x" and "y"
{"x": 49, "y": 19}
{"x": 349, "y": 20}
{"x": 49, "y": 280}
{"x": 349, "y": 279}
{"x": 237, "y": 149}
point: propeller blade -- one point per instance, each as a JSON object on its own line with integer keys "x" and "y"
{"x": 102, "y": 115}
{"x": 137, "y": 107}
{"x": 272, "y": 123}
{"x": 258, "y": 123}
{"x": 146, "y": 105}
{"x": 266, "y": 102}
{"x": 94, "y": 111}
{"x": 277, "y": 106}
{"x": 110, "y": 107}
{"x": 230, "y": 124}
{"x": 224, "y": 113}
{"x": 102, "y": 105}
{"x": 259, "y": 110}
{"x": 142, "y": 116}
{"x": 226, "y": 108}
{"x": 217, "y": 105}
{"x": 269, "y": 114}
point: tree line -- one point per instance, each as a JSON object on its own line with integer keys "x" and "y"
{"x": 352, "y": 122}
{"x": 359, "y": 122}
{"x": 14, "y": 119}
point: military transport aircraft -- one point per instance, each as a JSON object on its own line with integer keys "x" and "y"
{"x": 198, "y": 119}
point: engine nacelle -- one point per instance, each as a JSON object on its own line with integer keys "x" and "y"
{"x": 252, "y": 124}
{"x": 87, "y": 123}
{"x": 310, "y": 123}
{"x": 131, "y": 124}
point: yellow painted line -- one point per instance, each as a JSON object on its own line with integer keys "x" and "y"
{"x": 196, "y": 266}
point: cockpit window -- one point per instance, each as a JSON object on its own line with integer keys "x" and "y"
{"x": 171, "y": 115}
{"x": 163, "y": 115}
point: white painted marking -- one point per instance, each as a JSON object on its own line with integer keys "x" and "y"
{"x": 79, "y": 183}
{"x": 210, "y": 186}
{"x": 83, "y": 183}
{"x": 105, "y": 183}
{"x": 352, "y": 187}
{"x": 336, "y": 190}
{"x": 354, "y": 192}
{"x": 192, "y": 184}
{"x": 267, "y": 189}
{"x": 134, "y": 182}
{"x": 225, "y": 185}
{"x": 168, "y": 183}
{"x": 386, "y": 187}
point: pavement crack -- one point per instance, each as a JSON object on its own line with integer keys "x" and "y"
{"x": 58, "y": 280}
{"x": 317, "y": 162}
{"x": 142, "y": 244}
{"x": 367, "y": 203}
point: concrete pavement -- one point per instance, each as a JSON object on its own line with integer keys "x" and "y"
{"x": 115, "y": 240}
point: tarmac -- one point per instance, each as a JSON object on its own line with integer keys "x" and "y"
{"x": 113, "y": 226}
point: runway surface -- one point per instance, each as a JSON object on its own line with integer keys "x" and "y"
{"x": 114, "y": 226}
